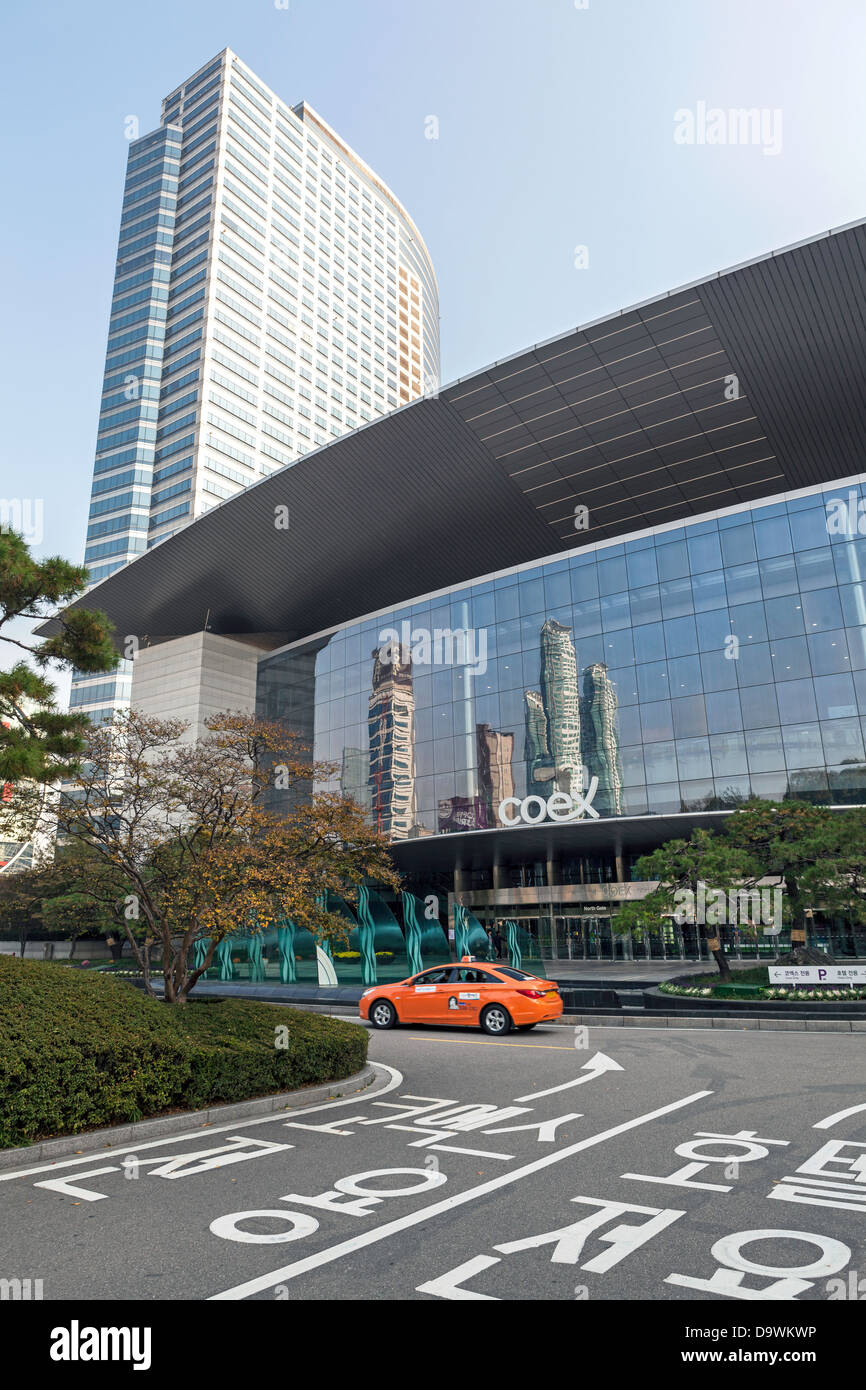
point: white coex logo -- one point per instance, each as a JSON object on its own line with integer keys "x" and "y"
{"x": 561, "y": 806}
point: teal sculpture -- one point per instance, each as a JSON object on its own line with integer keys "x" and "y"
{"x": 461, "y": 931}
{"x": 224, "y": 959}
{"x": 515, "y": 954}
{"x": 470, "y": 938}
{"x": 286, "y": 945}
{"x": 412, "y": 929}
{"x": 199, "y": 952}
{"x": 257, "y": 965}
{"x": 366, "y": 936}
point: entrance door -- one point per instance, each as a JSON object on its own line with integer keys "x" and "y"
{"x": 600, "y": 929}
{"x": 569, "y": 938}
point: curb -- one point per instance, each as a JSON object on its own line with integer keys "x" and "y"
{"x": 121, "y": 1136}
{"x": 653, "y": 1020}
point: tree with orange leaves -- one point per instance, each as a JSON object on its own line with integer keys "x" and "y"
{"x": 214, "y": 837}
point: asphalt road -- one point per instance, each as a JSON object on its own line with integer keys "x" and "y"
{"x": 450, "y": 1178}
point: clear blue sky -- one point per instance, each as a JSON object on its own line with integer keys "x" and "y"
{"x": 555, "y": 130}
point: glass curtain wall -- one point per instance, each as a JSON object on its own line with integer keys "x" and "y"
{"x": 681, "y": 671}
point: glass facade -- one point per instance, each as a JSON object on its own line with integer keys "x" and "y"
{"x": 126, "y": 439}
{"x": 683, "y": 670}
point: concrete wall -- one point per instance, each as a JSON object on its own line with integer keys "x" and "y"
{"x": 59, "y": 950}
{"x": 193, "y": 677}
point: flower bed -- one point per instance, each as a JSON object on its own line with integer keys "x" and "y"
{"x": 793, "y": 994}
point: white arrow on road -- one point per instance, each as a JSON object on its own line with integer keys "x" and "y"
{"x": 596, "y": 1066}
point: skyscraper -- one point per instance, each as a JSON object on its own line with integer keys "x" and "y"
{"x": 495, "y": 770}
{"x": 539, "y": 769}
{"x": 355, "y": 776}
{"x": 561, "y": 697}
{"x": 601, "y": 739}
{"x": 270, "y": 294}
{"x": 391, "y": 725}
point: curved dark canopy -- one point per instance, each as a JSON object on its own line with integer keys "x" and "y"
{"x": 747, "y": 384}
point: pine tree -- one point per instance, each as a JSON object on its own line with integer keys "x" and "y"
{"x": 38, "y": 742}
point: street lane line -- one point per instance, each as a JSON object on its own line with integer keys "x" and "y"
{"x": 484, "y": 1042}
{"x": 112, "y": 1150}
{"x": 402, "y": 1223}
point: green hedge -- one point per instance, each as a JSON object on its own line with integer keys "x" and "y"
{"x": 81, "y": 1050}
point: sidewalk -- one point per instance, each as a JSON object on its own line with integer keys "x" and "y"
{"x": 628, "y": 976}
{"x": 594, "y": 973}
{"x": 623, "y": 972}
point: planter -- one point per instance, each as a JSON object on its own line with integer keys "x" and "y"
{"x": 657, "y": 1002}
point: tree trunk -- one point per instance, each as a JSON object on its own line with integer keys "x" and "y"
{"x": 800, "y": 953}
{"x": 142, "y": 957}
{"x": 714, "y": 946}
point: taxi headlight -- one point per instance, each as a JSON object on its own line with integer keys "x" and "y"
{"x": 366, "y": 992}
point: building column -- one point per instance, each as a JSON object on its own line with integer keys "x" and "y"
{"x": 627, "y": 945}
{"x": 195, "y": 676}
{"x": 550, "y": 879}
{"x": 461, "y": 885}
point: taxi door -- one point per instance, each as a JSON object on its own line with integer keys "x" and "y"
{"x": 424, "y": 999}
{"x": 465, "y": 995}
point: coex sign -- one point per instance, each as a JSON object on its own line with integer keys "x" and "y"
{"x": 561, "y": 806}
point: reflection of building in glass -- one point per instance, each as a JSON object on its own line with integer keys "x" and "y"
{"x": 355, "y": 776}
{"x": 539, "y": 768}
{"x": 786, "y": 728}
{"x": 461, "y": 813}
{"x": 807, "y": 784}
{"x": 600, "y": 738}
{"x": 561, "y": 697}
{"x": 391, "y": 723}
{"x": 495, "y": 772}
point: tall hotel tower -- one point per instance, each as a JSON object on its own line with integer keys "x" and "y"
{"x": 270, "y": 293}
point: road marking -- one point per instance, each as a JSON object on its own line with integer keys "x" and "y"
{"x": 596, "y": 1066}
{"x": 484, "y": 1042}
{"x": 349, "y": 1247}
{"x": 112, "y": 1150}
{"x": 834, "y": 1119}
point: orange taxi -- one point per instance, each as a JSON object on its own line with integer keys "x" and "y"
{"x": 470, "y": 993}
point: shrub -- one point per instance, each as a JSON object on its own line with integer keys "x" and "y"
{"x": 81, "y": 1050}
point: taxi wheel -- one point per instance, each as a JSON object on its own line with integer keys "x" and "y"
{"x": 496, "y": 1020}
{"x": 383, "y": 1014}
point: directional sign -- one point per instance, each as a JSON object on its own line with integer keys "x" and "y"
{"x": 817, "y": 974}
